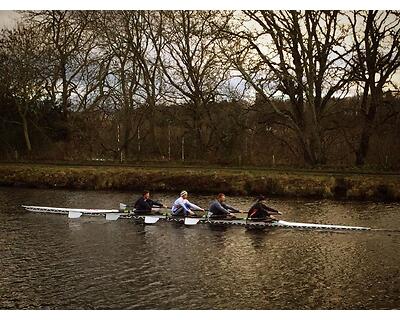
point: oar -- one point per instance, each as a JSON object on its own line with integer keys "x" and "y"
{"x": 112, "y": 216}
{"x": 191, "y": 221}
{"x": 151, "y": 219}
{"x": 74, "y": 214}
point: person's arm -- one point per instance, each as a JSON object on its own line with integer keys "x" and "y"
{"x": 155, "y": 203}
{"x": 227, "y": 207}
{"x": 193, "y": 206}
{"x": 220, "y": 208}
{"x": 269, "y": 209}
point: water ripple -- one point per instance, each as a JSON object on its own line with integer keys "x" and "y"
{"x": 51, "y": 262}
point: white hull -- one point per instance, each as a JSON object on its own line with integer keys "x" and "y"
{"x": 68, "y": 210}
{"x": 115, "y": 214}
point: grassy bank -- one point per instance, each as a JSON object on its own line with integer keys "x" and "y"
{"x": 382, "y": 187}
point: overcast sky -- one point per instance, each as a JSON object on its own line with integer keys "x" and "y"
{"x": 8, "y": 18}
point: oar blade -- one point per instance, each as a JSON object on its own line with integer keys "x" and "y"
{"x": 74, "y": 214}
{"x": 150, "y": 219}
{"x": 112, "y": 216}
{"x": 191, "y": 221}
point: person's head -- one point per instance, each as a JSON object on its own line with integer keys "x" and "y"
{"x": 260, "y": 198}
{"x": 146, "y": 194}
{"x": 221, "y": 197}
{"x": 184, "y": 194}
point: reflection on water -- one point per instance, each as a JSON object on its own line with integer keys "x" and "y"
{"x": 49, "y": 261}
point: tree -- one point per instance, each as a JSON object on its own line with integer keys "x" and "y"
{"x": 69, "y": 50}
{"x": 125, "y": 71}
{"x": 294, "y": 56}
{"x": 192, "y": 63}
{"x": 22, "y": 61}
{"x": 144, "y": 30}
{"x": 376, "y": 59}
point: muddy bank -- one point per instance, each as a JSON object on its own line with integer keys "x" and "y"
{"x": 233, "y": 182}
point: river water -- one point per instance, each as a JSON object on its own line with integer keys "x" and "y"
{"x": 51, "y": 262}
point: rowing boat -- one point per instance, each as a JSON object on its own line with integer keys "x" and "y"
{"x": 115, "y": 214}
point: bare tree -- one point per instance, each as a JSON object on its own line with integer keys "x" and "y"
{"x": 22, "y": 50}
{"x": 69, "y": 49}
{"x": 192, "y": 64}
{"x": 376, "y": 38}
{"x": 294, "y": 56}
{"x": 144, "y": 31}
{"x": 124, "y": 73}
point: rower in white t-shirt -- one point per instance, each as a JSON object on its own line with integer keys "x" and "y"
{"x": 182, "y": 206}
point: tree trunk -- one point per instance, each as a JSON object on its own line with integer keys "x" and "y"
{"x": 199, "y": 146}
{"x": 155, "y": 146}
{"x": 197, "y": 136}
{"x": 363, "y": 147}
{"x": 311, "y": 140}
{"x": 26, "y": 133}
{"x": 368, "y": 127}
{"x": 64, "y": 89}
{"x": 125, "y": 136}
{"x": 22, "y": 114}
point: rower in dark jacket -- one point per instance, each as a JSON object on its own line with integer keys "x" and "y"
{"x": 220, "y": 210}
{"x": 260, "y": 211}
{"x": 144, "y": 204}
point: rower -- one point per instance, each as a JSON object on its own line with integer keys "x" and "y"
{"x": 182, "y": 206}
{"x": 144, "y": 204}
{"x": 260, "y": 211}
{"x": 220, "y": 210}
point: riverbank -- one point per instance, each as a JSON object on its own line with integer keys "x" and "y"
{"x": 305, "y": 184}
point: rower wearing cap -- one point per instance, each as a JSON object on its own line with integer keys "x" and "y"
{"x": 260, "y": 211}
{"x": 182, "y": 206}
{"x": 144, "y": 204}
{"x": 220, "y": 210}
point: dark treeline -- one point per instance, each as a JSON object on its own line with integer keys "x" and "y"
{"x": 298, "y": 88}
